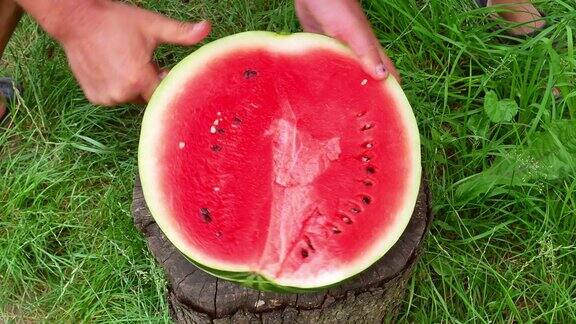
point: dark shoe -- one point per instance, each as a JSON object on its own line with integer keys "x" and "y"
{"x": 3, "y": 108}
{"x": 8, "y": 88}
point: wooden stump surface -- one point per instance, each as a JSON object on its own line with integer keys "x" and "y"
{"x": 371, "y": 297}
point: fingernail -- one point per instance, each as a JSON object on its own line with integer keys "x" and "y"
{"x": 200, "y": 25}
{"x": 380, "y": 71}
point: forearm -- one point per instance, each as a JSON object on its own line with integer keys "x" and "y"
{"x": 54, "y": 15}
{"x": 10, "y": 14}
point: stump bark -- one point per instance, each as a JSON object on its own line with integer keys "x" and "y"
{"x": 372, "y": 297}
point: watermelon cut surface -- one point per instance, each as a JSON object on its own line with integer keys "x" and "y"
{"x": 275, "y": 161}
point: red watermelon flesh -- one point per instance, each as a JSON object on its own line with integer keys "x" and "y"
{"x": 294, "y": 165}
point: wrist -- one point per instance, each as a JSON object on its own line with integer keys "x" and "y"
{"x": 62, "y": 18}
{"x": 72, "y": 19}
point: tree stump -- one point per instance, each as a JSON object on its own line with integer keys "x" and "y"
{"x": 371, "y": 297}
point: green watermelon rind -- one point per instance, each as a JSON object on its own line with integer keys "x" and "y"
{"x": 151, "y": 130}
{"x": 259, "y": 282}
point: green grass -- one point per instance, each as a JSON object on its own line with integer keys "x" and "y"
{"x": 502, "y": 247}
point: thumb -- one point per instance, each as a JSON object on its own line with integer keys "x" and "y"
{"x": 169, "y": 31}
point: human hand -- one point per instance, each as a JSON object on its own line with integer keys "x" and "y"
{"x": 110, "y": 50}
{"x": 345, "y": 21}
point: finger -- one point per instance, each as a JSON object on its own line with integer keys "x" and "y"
{"x": 389, "y": 66}
{"x": 370, "y": 58}
{"x": 141, "y": 99}
{"x": 307, "y": 20}
{"x": 163, "y": 73}
{"x": 363, "y": 42}
{"x": 169, "y": 31}
{"x": 150, "y": 80}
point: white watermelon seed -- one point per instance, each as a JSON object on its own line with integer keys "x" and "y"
{"x": 364, "y": 82}
{"x": 181, "y": 145}
{"x": 367, "y": 127}
{"x": 346, "y": 219}
{"x": 212, "y": 129}
{"x": 216, "y": 189}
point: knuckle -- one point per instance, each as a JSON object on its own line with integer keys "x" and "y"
{"x": 95, "y": 99}
{"x": 105, "y": 102}
{"x": 90, "y": 97}
{"x": 122, "y": 92}
{"x": 109, "y": 103}
{"x": 119, "y": 97}
{"x": 133, "y": 85}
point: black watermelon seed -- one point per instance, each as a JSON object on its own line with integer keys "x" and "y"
{"x": 366, "y": 200}
{"x": 216, "y": 148}
{"x": 370, "y": 169}
{"x": 360, "y": 114}
{"x": 237, "y": 120}
{"x": 309, "y": 243}
{"x": 205, "y": 214}
{"x": 249, "y": 74}
{"x": 336, "y": 230}
{"x": 304, "y": 253}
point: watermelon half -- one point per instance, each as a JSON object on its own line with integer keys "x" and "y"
{"x": 275, "y": 161}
